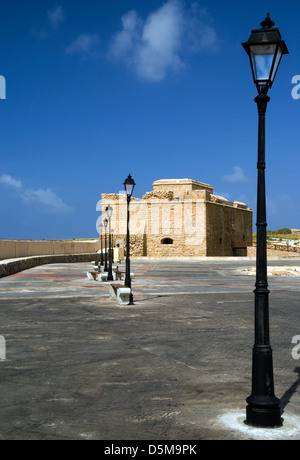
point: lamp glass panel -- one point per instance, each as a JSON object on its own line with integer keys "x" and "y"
{"x": 129, "y": 189}
{"x": 262, "y": 59}
{"x": 109, "y": 211}
{"x": 276, "y": 63}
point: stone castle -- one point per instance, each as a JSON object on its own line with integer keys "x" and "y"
{"x": 180, "y": 217}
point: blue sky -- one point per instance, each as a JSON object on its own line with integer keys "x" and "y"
{"x": 98, "y": 89}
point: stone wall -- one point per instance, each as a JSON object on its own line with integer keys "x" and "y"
{"x": 10, "y": 249}
{"x": 229, "y": 228}
{"x": 10, "y": 267}
{"x": 181, "y": 218}
{"x": 180, "y": 187}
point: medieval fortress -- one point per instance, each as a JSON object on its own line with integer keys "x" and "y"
{"x": 180, "y": 217}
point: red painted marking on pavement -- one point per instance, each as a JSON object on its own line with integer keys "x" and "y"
{"x": 62, "y": 281}
{"x": 45, "y": 275}
{"x": 94, "y": 287}
{"x": 219, "y": 284}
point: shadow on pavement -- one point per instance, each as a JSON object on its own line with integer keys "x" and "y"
{"x": 287, "y": 396}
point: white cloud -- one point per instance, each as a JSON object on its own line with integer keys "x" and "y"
{"x": 160, "y": 44}
{"x": 56, "y": 16}
{"x": 225, "y": 195}
{"x": 156, "y": 46}
{"x": 85, "y": 44}
{"x": 49, "y": 201}
{"x": 128, "y": 38}
{"x": 237, "y": 175}
{"x": 201, "y": 35}
{"x": 8, "y": 180}
{"x": 46, "y": 198}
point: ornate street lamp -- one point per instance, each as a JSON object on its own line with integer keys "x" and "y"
{"x": 105, "y": 222}
{"x": 129, "y": 185}
{"x": 109, "y": 211}
{"x": 265, "y": 49}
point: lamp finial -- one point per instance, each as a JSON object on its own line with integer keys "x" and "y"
{"x": 267, "y": 23}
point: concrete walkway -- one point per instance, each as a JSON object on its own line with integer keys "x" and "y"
{"x": 176, "y": 365}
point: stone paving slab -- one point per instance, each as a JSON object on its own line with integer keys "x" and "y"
{"x": 176, "y": 365}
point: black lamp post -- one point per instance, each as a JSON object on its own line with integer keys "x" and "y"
{"x": 105, "y": 222}
{"x": 101, "y": 230}
{"x": 109, "y": 211}
{"x": 129, "y": 185}
{"x": 265, "y": 49}
{"x": 112, "y": 246}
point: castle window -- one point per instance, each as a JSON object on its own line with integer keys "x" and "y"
{"x": 167, "y": 241}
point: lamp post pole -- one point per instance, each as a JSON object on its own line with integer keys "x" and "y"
{"x": 265, "y": 49}
{"x": 263, "y": 407}
{"x": 127, "y": 276}
{"x": 112, "y": 246}
{"x": 109, "y": 274}
{"x": 105, "y": 245}
{"x": 101, "y": 230}
{"x": 129, "y": 185}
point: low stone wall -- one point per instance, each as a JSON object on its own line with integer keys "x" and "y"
{"x": 10, "y": 249}
{"x": 12, "y": 266}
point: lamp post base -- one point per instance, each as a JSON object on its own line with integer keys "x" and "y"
{"x": 263, "y": 418}
{"x": 131, "y": 302}
{"x": 263, "y": 409}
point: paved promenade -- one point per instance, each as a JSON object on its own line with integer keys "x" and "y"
{"x": 175, "y": 365}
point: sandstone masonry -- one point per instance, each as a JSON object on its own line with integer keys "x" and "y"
{"x": 181, "y": 217}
